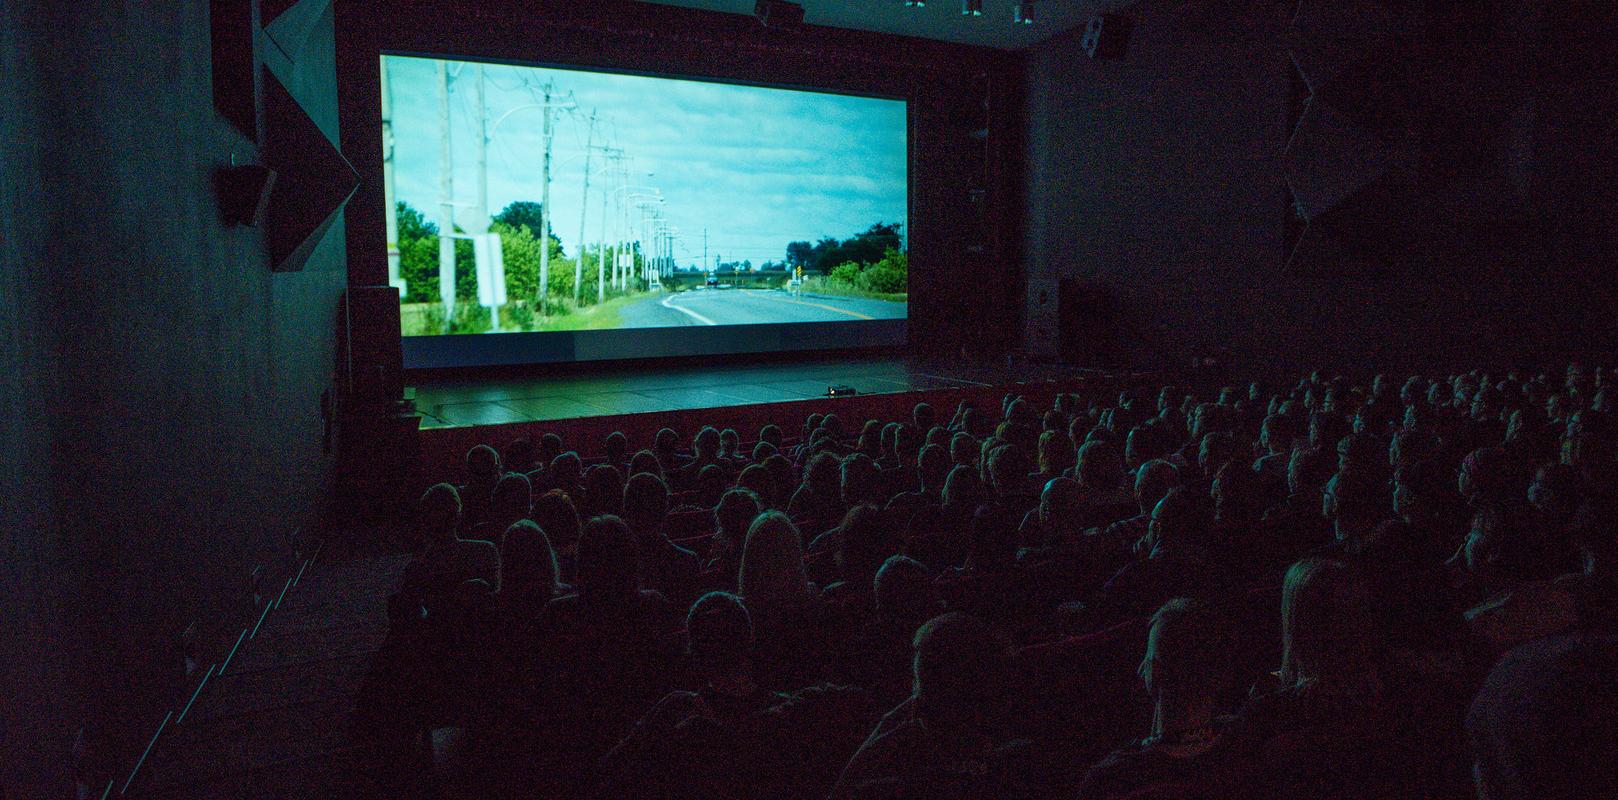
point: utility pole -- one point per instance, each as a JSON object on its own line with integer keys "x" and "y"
{"x": 389, "y": 197}
{"x": 612, "y": 154}
{"x": 446, "y": 202}
{"x": 480, "y": 219}
{"x": 584, "y": 208}
{"x": 704, "y": 248}
{"x": 545, "y": 208}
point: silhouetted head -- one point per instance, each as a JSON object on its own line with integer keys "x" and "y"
{"x": 1216, "y": 450}
{"x": 823, "y": 475}
{"x": 550, "y": 446}
{"x": 609, "y": 562}
{"x": 705, "y": 445}
{"x": 1055, "y": 452}
{"x": 962, "y": 489}
{"x": 772, "y": 570}
{"x": 770, "y": 434}
{"x": 783, "y": 478}
{"x": 1058, "y": 502}
{"x": 666, "y": 444}
{"x": 617, "y": 448}
{"x": 1308, "y": 470}
{"x": 1238, "y": 496}
{"x": 905, "y": 591}
{"x": 719, "y": 634}
{"x": 1327, "y": 637}
{"x": 860, "y": 480}
{"x": 758, "y": 478}
{"x": 1180, "y": 518}
{"x": 1009, "y": 467}
{"x": 603, "y": 490}
{"x": 1355, "y": 501}
{"x": 646, "y": 504}
{"x": 959, "y": 672}
{"x": 1362, "y": 452}
{"x": 1485, "y": 477}
{"x": 512, "y": 496}
{"x": 1187, "y": 651}
{"x": 527, "y": 562}
{"x": 867, "y": 540}
{"x": 1099, "y": 467}
{"x": 565, "y": 470}
{"x": 518, "y": 455}
{"x": 438, "y": 513}
{"x": 963, "y": 449}
{"x": 763, "y": 450}
{"x": 994, "y": 540}
{"x": 734, "y": 514}
{"x": 922, "y": 416}
{"x": 1543, "y": 725}
{"x": 711, "y": 483}
{"x": 906, "y": 444}
{"x": 556, "y": 516}
{"x": 646, "y": 461}
{"x": 1153, "y": 480}
{"x": 483, "y": 465}
{"x": 933, "y": 466}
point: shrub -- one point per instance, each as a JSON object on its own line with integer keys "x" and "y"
{"x": 846, "y": 273}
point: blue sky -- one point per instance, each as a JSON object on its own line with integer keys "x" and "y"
{"x": 756, "y": 167}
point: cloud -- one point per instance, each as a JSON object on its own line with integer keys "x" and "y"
{"x": 755, "y": 167}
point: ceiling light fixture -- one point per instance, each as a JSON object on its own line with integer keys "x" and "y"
{"x": 1024, "y": 13}
{"x": 971, "y": 8}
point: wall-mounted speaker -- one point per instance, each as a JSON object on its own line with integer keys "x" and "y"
{"x": 368, "y": 335}
{"x": 244, "y": 193}
{"x": 1106, "y": 36}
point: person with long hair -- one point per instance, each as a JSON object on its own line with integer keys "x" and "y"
{"x": 771, "y": 576}
{"x": 1327, "y": 725}
{"x": 1187, "y": 664}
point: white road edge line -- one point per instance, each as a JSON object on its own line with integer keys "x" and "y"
{"x": 694, "y": 315}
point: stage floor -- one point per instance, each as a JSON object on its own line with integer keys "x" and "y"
{"x": 577, "y": 391}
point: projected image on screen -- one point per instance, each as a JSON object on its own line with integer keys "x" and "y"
{"x": 527, "y": 199}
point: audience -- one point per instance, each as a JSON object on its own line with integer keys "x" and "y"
{"x": 1378, "y": 546}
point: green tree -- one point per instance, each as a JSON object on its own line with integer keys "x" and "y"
{"x": 873, "y": 244}
{"x": 799, "y": 254}
{"x": 418, "y": 255}
{"x": 466, "y": 271}
{"x": 527, "y": 212}
{"x": 519, "y": 250}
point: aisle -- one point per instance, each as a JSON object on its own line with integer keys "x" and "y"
{"x": 275, "y": 723}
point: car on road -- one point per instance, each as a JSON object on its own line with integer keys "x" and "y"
{"x": 713, "y": 281}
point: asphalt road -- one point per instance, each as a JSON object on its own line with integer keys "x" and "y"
{"x": 753, "y": 307}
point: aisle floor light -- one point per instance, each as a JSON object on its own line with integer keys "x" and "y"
{"x": 971, "y": 8}
{"x": 1024, "y": 14}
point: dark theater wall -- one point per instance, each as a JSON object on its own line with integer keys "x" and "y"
{"x": 162, "y": 425}
{"x": 1159, "y": 182}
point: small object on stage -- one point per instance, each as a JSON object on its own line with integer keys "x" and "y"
{"x": 840, "y": 391}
